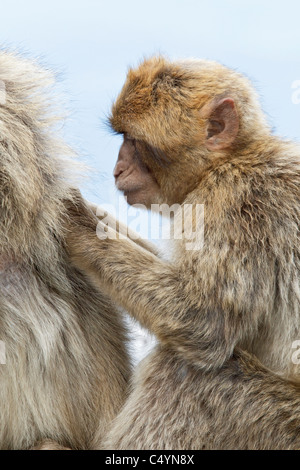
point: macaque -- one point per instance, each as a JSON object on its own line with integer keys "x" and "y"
{"x": 226, "y": 312}
{"x": 66, "y": 364}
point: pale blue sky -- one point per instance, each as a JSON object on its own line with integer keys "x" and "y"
{"x": 92, "y": 42}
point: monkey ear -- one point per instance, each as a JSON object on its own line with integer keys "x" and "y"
{"x": 222, "y": 125}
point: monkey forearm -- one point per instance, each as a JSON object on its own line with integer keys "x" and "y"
{"x": 142, "y": 272}
{"x": 122, "y": 229}
{"x": 151, "y": 290}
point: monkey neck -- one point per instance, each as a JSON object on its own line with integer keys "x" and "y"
{"x": 254, "y": 158}
{"x": 257, "y": 153}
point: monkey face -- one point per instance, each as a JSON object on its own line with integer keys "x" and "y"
{"x": 132, "y": 175}
{"x": 177, "y": 119}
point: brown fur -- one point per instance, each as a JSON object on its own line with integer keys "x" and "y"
{"x": 66, "y": 365}
{"x": 198, "y": 129}
{"x": 239, "y": 406}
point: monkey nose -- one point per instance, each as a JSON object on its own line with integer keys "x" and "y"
{"x": 117, "y": 172}
{"x": 119, "y": 168}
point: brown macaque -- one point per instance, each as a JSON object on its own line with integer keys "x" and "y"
{"x": 67, "y": 367}
{"x": 225, "y": 312}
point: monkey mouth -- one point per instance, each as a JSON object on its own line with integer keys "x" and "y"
{"x": 121, "y": 176}
{"x": 122, "y": 172}
{"x": 120, "y": 169}
{"x": 124, "y": 183}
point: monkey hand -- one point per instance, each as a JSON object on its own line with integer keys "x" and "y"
{"x": 79, "y": 223}
{"x": 78, "y": 213}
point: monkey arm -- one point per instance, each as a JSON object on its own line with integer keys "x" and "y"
{"x": 122, "y": 229}
{"x": 202, "y": 318}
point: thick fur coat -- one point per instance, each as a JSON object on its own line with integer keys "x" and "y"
{"x": 66, "y": 365}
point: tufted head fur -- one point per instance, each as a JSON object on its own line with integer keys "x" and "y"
{"x": 167, "y": 106}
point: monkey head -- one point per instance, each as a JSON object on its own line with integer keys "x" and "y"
{"x": 177, "y": 118}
